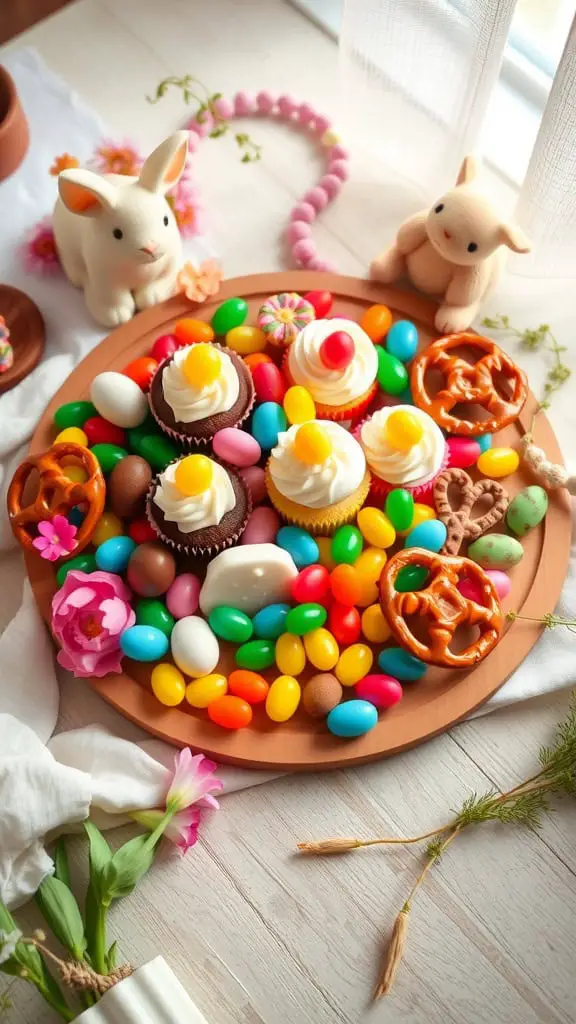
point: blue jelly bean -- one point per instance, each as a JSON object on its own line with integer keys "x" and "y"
{"x": 114, "y": 554}
{"x": 268, "y": 421}
{"x": 352, "y": 718}
{"x": 144, "y": 643}
{"x": 269, "y": 622}
{"x": 76, "y": 516}
{"x": 299, "y": 544}
{"x": 484, "y": 441}
{"x": 431, "y": 535}
{"x": 402, "y": 340}
{"x": 397, "y": 662}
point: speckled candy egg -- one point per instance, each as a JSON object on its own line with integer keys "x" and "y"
{"x": 527, "y": 510}
{"x": 128, "y": 485}
{"x": 322, "y": 693}
{"x": 119, "y": 399}
{"x": 496, "y": 551}
{"x": 151, "y": 570}
{"x": 194, "y": 646}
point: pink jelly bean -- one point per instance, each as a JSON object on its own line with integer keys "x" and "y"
{"x": 243, "y": 104}
{"x": 264, "y": 102}
{"x": 263, "y": 525}
{"x": 224, "y": 108}
{"x": 303, "y": 211}
{"x": 473, "y": 592}
{"x": 470, "y": 590}
{"x": 182, "y": 596}
{"x": 381, "y": 690}
{"x": 296, "y": 230}
{"x": 463, "y": 452}
{"x": 255, "y": 479}
{"x": 317, "y": 197}
{"x": 304, "y": 250}
{"x": 164, "y": 347}
{"x": 501, "y": 581}
{"x": 236, "y": 446}
{"x": 331, "y": 185}
{"x": 340, "y": 169}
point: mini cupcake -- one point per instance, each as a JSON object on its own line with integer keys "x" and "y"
{"x": 201, "y": 389}
{"x": 283, "y": 316}
{"x": 340, "y": 373}
{"x": 405, "y": 448}
{"x": 316, "y": 477}
{"x": 198, "y": 506}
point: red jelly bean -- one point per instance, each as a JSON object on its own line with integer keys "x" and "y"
{"x": 230, "y": 712}
{"x": 140, "y": 531}
{"x": 337, "y": 350}
{"x": 344, "y": 623}
{"x": 381, "y": 690}
{"x": 346, "y": 584}
{"x": 164, "y": 347}
{"x": 463, "y": 452}
{"x": 100, "y": 431}
{"x": 141, "y": 371}
{"x": 311, "y": 584}
{"x": 250, "y": 686}
{"x": 269, "y": 383}
{"x": 322, "y": 302}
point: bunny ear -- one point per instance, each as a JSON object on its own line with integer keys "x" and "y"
{"x": 467, "y": 172}
{"x": 85, "y": 192}
{"x": 164, "y": 166}
{"x": 513, "y": 236}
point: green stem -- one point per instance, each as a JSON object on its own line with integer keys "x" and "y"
{"x": 99, "y": 952}
{"x": 61, "y": 1007}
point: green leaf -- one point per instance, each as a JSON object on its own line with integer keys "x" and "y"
{"x": 91, "y": 921}
{"x": 7, "y": 922}
{"x": 61, "y": 912}
{"x": 61, "y": 865}
{"x": 127, "y": 867}
{"x": 100, "y": 857}
{"x": 111, "y": 957}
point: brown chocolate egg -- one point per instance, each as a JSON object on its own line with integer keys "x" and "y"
{"x": 322, "y": 693}
{"x": 128, "y": 486}
{"x": 151, "y": 569}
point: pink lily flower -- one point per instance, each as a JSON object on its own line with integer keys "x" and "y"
{"x": 193, "y": 782}
{"x": 182, "y": 830}
{"x": 56, "y": 538}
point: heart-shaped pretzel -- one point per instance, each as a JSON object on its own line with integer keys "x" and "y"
{"x": 468, "y": 383}
{"x": 441, "y": 601}
{"x": 460, "y": 525}
{"x": 56, "y": 493}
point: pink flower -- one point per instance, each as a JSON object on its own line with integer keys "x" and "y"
{"x": 39, "y": 253}
{"x": 89, "y": 612}
{"x": 182, "y": 829}
{"x": 193, "y": 782}
{"x": 199, "y": 283}
{"x": 117, "y": 158}
{"x": 56, "y": 538}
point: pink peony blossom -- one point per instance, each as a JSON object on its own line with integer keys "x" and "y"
{"x": 56, "y": 538}
{"x": 89, "y": 612}
{"x": 193, "y": 782}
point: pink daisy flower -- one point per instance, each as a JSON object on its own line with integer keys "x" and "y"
{"x": 56, "y": 538}
{"x": 39, "y": 253}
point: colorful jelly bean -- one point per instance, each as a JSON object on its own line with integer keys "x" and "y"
{"x": 164, "y": 347}
{"x": 269, "y": 383}
{"x": 403, "y": 430}
{"x": 347, "y": 544}
{"x": 305, "y": 617}
{"x": 256, "y": 654}
{"x": 354, "y": 663}
{"x": 321, "y": 649}
{"x": 230, "y": 712}
{"x": 290, "y": 655}
{"x": 256, "y": 359}
{"x": 230, "y": 624}
{"x": 230, "y": 314}
{"x": 325, "y": 552}
{"x": 255, "y": 479}
{"x": 463, "y": 452}
{"x": 141, "y": 371}
{"x": 270, "y": 622}
{"x": 376, "y": 527}
{"x": 158, "y": 451}
{"x": 168, "y": 684}
{"x": 376, "y": 321}
{"x": 352, "y": 718}
{"x": 368, "y": 594}
{"x": 344, "y": 623}
{"x": 144, "y": 643}
{"x": 76, "y": 516}
{"x": 250, "y": 686}
{"x": 399, "y": 664}
{"x": 136, "y": 435}
{"x": 82, "y": 563}
{"x": 114, "y": 554}
{"x": 101, "y": 431}
{"x": 410, "y": 578}
{"x": 262, "y": 526}
{"x": 337, "y": 350}
{"x": 392, "y": 375}
{"x": 202, "y": 692}
{"x": 422, "y": 514}
{"x": 268, "y": 421}
{"x": 152, "y": 612}
{"x": 400, "y": 508}
{"x": 73, "y": 414}
{"x": 430, "y": 535}
{"x": 140, "y": 531}
{"x": 311, "y": 584}
{"x": 299, "y": 544}
{"x": 77, "y": 474}
{"x": 245, "y": 340}
{"x": 236, "y": 446}
{"x": 283, "y": 698}
{"x": 374, "y": 625}
{"x": 498, "y": 462}
{"x": 484, "y": 441}
{"x": 189, "y": 331}
{"x": 72, "y": 435}
{"x": 109, "y": 455}
{"x": 402, "y": 340}
{"x": 109, "y": 525}
{"x": 370, "y": 564}
{"x": 345, "y": 584}
{"x": 299, "y": 405}
{"x": 381, "y": 690}
{"x": 182, "y": 595}
{"x": 322, "y": 302}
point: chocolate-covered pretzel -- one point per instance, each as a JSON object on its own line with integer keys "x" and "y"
{"x": 461, "y": 525}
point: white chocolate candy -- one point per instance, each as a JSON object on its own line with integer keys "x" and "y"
{"x": 119, "y": 399}
{"x": 248, "y": 577}
{"x": 195, "y": 648}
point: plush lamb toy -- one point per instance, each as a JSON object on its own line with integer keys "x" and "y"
{"x": 117, "y": 237}
{"x": 452, "y": 250}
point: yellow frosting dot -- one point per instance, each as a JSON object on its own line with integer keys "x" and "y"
{"x": 312, "y": 445}
{"x": 202, "y": 365}
{"x": 193, "y": 475}
{"x": 403, "y": 430}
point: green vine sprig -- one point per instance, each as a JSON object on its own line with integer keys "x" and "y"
{"x": 533, "y": 340}
{"x": 549, "y": 620}
{"x": 525, "y": 804}
{"x": 194, "y": 91}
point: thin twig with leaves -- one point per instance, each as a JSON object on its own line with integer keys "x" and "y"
{"x": 533, "y": 340}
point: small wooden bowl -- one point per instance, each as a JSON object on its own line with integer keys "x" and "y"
{"x": 27, "y": 335}
{"x": 14, "y": 136}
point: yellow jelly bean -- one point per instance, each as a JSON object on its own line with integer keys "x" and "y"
{"x": 422, "y": 513}
{"x": 403, "y": 430}
{"x": 497, "y": 462}
{"x": 283, "y": 698}
{"x": 245, "y": 340}
{"x": 325, "y": 549}
{"x": 370, "y": 563}
{"x": 202, "y": 691}
{"x": 312, "y": 444}
{"x": 75, "y": 473}
{"x": 374, "y": 625}
{"x": 168, "y": 684}
{"x": 290, "y": 654}
{"x": 375, "y": 527}
{"x": 321, "y": 649}
{"x": 202, "y": 365}
{"x": 109, "y": 525}
{"x": 193, "y": 474}
{"x": 299, "y": 405}
{"x": 72, "y": 435}
{"x": 368, "y": 593}
{"x": 353, "y": 664}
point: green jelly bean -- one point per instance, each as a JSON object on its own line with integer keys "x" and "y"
{"x": 400, "y": 508}
{"x": 231, "y": 313}
{"x": 152, "y": 612}
{"x": 146, "y": 429}
{"x": 304, "y": 618}
{"x": 108, "y": 455}
{"x": 83, "y": 563}
{"x": 347, "y": 544}
{"x": 392, "y": 375}
{"x": 256, "y": 654}
{"x": 230, "y": 624}
{"x": 158, "y": 450}
{"x": 73, "y": 414}
{"x": 411, "y": 577}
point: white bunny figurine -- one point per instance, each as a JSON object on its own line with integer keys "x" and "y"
{"x": 116, "y": 235}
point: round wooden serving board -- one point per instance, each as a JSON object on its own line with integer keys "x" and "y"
{"x": 430, "y": 706}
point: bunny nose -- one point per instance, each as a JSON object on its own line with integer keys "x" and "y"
{"x": 149, "y": 248}
{"x": 447, "y": 235}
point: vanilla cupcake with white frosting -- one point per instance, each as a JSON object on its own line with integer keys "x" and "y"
{"x": 337, "y": 362}
{"x": 317, "y": 477}
{"x": 404, "y": 448}
{"x": 201, "y": 389}
{"x": 198, "y": 506}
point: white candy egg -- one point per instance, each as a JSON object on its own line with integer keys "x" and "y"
{"x": 194, "y": 646}
{"x": 119, "y": 399}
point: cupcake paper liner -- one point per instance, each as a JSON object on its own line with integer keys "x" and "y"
{"x": 422, "y": 492}
{"x": 337, "y": 413}
{"x": 322, "y": 522}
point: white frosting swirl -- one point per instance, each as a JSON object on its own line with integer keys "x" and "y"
{"x": 413, "y": 467}
{"x": 201, "y": 510}
{"x": 324, "y": 483}
{"x": 189, "y": 403}
{"x": 333, "y": 387}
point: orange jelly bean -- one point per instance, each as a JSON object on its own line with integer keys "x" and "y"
{"x": 346, "y": 584}
{"x": 189, "y": 331}
{"x": 255, "y": 359}
{"x": 376, "y": 321}
{"x": 230, "y": 712}
{"x": 141, "y": 371}
{"x": 250, "y": 686}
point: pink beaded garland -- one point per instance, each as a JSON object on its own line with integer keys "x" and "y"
{"x": 287, "y": 106}
{"x": 296, "y": 230}
{"x": 264, "y": 102}
{"x": 338, "y": 152}
{"x": 305, "y": 113}
{"x": 321, "y": 124}
{"x": 243, "y": 104}
{"x": 317, "y": 197}
{"x": 304, "y": 250}
{"x": 331, "y": 185}
{"x": 303, "y": 211}
{"x": 340, "y": 169}
{"x": 224, "y": 108}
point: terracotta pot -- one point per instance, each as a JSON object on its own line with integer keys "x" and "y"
{"x": 152, "y": 995}
{"x": 14, "y": 136}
